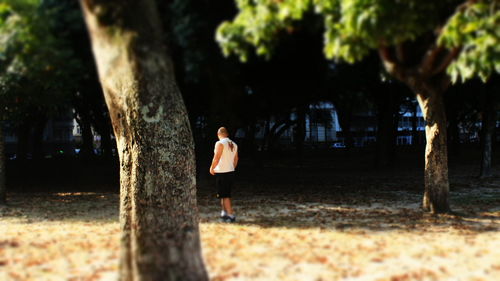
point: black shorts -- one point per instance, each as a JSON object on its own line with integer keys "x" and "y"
{"x": 224, "y": 183}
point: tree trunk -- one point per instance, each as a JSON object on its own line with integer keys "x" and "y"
{"x": 388, "y": 117}
{"x": 454, "y": 134}
{"x": 158, "y": 212}
{"x": 428, "y": 81}
{"x": 487, "y": 128}
{"x": 250, "y": 137}
{"x": 3, "y": 187}
{"x": 271, "y": 136}
{"x": 436, "y": 155}
{"x": 106, "y": 144}
{"x": 252, "y": 144}
{"x": 267, "y": 131}
{"x": 453, "y": 122}
{"x": 274, "y": 138}
{"x": 345, "y": 124}
{"x": 414, "y": 124}
{"x": 384, "y": 136}
{"x": 101, "y": 123}
{"x": 39, "y": 128}
{"x": 23, "y": 136}
{"x": 300, "y": 132}
{"x": 103, "y": 128}
{"x": 87, "y": 149}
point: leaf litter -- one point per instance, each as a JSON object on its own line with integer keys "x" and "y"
{"x": 337, "y": 234}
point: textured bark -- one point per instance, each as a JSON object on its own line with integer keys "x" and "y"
{"x": 158, "y": 212}
{"x": 436, "y": 195}
{"x": 3, "y": 187}
{"x": 428, "y": 80}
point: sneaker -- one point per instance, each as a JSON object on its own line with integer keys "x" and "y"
{"x": 223, "y": 214}
{"x": 229, "y": 219}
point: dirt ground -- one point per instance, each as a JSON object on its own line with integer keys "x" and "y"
{"x": 315, "y": 221}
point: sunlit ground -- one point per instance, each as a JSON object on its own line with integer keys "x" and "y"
{"x": 379, "y": 235}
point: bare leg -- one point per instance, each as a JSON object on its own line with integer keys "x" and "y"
{"x": 222, "y": 205}
{"x": 227, "y": 206}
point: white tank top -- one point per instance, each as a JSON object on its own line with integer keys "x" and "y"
{"x": 226, "y": 162}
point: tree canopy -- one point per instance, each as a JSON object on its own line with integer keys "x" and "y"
{"x": 38, "y": 72}
{"x": 354, "y": 27}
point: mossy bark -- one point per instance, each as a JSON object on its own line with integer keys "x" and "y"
{"x": 158, "y": 212}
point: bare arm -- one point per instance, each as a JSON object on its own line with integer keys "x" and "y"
{"x": 215, "y": 161}
{"x": 236, "y": 159}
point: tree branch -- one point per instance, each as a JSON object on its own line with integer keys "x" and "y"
{"x": 385, "y": 54}
{"x": 450, "y": 56}
{"x": 401, "y": 53}
{"x": 429, "y": 60}
{"x": 387, "y": 58}
{"x": 392, "y": 64}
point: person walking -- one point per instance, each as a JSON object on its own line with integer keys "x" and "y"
{"x": 223, "y": 166}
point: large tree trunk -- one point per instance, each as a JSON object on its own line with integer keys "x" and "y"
{"x": 158, "y": 212}
{"x": 429, "y": 81}
{"x": 436, "y": 155}
{"x": 3, "y": 187}
{"x": 487, "y": 128}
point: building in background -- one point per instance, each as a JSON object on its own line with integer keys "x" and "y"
{"x": 57, "y": 137}
{"x": 62, "y": 135}
{"x": 322, "y": 128}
